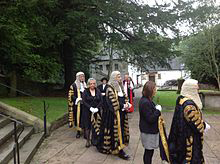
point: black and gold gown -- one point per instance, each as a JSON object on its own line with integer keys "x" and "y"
{"x": 74, "y": 111}
{"x": 186, "y": 134}
{"x": 114, "y": 130}
{"x": 92, "y": 121}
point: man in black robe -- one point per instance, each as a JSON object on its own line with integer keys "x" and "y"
{"x": 187, "y": 130}
{"x": 75, "y": 102}
{"x": 114, "y": 130}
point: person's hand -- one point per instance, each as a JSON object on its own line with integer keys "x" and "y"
{"x": 78, "y": 100}
{"x": 207, "y": 127}
{"x": 91, "y": 109}
{"x": 126, "y": 106}
{"x": 158, "y": 107}
{"x": 129, "y": 105}
{"x": 103, "y": 94}
{"x": 96, "y": 110}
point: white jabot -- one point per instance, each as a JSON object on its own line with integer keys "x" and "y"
{"x": 103, "y": 86}
{"x": 126, "y": 88}
{"x": 82, "y": 87}
{"x": 120, "y": 93}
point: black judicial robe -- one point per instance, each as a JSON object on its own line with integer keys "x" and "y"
{"x": 114, "y": 130}
{"x": 186, "y": 135}
{"x": 91, "y": 101}
{"x": 74, "y": 111}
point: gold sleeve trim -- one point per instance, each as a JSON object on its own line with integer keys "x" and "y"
{"x": 192, "y": 114}
{"x": 161, "y": 124}
{"x": 78, "y": 111}
{"x": 70, "y": 106}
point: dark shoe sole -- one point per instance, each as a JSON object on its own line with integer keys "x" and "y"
{"x": 125, "y": 157}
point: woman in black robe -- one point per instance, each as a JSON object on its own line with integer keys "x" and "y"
{"x": 92, "y": 101}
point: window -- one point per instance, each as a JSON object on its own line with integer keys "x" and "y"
{"x": 159, "y": 76}
{"x": 107, "y": 67}
{"x": 116, "y": 66}
{"x": 101, "y": 67}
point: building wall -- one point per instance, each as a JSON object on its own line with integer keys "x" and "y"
{"x": 162, "y": 76}
{"x": 99, "y": 69}
{"x": 135, "y": 74}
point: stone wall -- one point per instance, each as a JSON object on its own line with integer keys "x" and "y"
{"x": 102, "y": 70}
{"x": 210, "y": 99}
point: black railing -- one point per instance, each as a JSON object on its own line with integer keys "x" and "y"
{"x": 16, "y": 137}
{"x": 46, "y": 106}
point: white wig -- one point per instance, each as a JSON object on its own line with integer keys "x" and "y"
{"x": 113, "y": 81}
{"x": 77, "y": 81}
{"x": 190, "y": 89}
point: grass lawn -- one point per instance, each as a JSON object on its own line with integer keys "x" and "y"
{"x": 58, "y": 105}
{"x": 211, "y": 111}
{"x": 166, "y": 98}
{"x": 34, "y": 106}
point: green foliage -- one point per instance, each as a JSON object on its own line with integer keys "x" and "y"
{"x": 201, "y": 53}
{"x": 43, "y": 40}
{"x": 20, "y": 29}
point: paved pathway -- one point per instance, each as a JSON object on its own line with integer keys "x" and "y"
{"x": 63, "y": 148}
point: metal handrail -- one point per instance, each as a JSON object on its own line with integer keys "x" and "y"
{"x": 46, "y": 106}
{"x": 16, "y": 137}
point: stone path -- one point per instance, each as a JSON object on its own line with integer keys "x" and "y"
{"x": 63, "y": 148}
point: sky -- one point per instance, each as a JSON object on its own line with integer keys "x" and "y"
{"x": 183, "y": 27}
{"x": 152, "y": 2}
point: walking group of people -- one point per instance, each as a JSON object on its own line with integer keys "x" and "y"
{"x": 101, "y": 113}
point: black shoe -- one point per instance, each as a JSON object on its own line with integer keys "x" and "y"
{"x": 88, "y": 144}
{"x": 78, "y": 134}
{"x": 84, "y": 136}
{"x": 123, "y": 155}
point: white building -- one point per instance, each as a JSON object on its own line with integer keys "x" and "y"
{"x": 159, "y": 74}
{"x": 99, "y": 68}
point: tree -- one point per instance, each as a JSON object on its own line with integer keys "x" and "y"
{"x": 201, "y": 53}
{"x": 201, "y": 50}
{"x": 55, "y": 37}
{"x": 19, "y": 46}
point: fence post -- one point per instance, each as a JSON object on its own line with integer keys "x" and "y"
{"x": 16, "y": 148}
{"x": 45, "y": 119}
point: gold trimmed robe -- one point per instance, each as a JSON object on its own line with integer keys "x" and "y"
{"x": 74, "y": 111}
{"x": 114, "y": 131}
{"x": 186, "y": 134}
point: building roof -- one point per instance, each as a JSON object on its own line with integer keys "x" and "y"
{"x": 175, "y": 64}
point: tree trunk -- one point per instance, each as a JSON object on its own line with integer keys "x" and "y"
{"x": 68, "y": 64}
{"x": 179, "y": 83}
{"x": 218, "y": 81}
{"x": 110, "y": 60}
{"x": 13, "y": 84}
